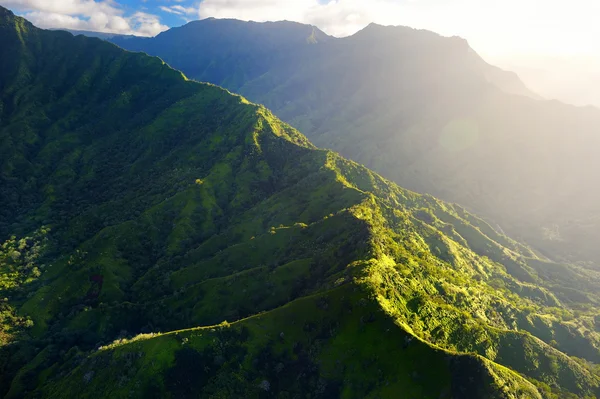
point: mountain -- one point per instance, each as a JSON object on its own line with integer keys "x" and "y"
{"x": 424, "y": 111}
{"x": 229, "y": 52}
{"x": 101, "y": 35}
{"x": 232, "y": 53}
{"x": 166, "y": 238}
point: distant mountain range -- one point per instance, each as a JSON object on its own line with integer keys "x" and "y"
{"x": 101, "y": 35}
{"x": 165, "y": 238}
{"x": 222, "y": 41}
{"x": 421, "y": 109}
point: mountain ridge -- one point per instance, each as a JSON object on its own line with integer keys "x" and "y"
{"x": 428, "y": 113}
{"x": 172, "y": 204}
{"x": 506, "y": 80}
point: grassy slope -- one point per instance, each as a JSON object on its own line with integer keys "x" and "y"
{"x": 331, "y": 345}
{"x": 183, "y": 205}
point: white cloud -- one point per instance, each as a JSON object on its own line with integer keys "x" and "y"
{"x": 179, "y": 10}
{"x": 101, "y": 16}
{"x": 184, "y": 10}
{"x": 169, "y": 10}
{"x": 345, "y": 17}
{"x": 145, "y": 24}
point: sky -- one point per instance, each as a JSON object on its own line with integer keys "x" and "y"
{"x": 522, "y": 34}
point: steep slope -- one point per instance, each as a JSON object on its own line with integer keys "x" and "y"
{"x": 140, "y": 206}
{"x": 430, "y": 114}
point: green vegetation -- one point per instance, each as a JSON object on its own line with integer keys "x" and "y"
{"x": 165, "y": 238}
{"x": 423, "y": 110}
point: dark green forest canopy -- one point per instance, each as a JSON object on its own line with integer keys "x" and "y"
{"x": 166, "y": 238}
{"x": 423, "y": 110}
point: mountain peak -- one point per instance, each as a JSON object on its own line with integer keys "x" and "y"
{"x": 9, "y": 20}
{"x": 5, "y": 11}
{"x": 278, "y": 33}
{"x": 393, "y": 32}
{"x": 6, "y": 14}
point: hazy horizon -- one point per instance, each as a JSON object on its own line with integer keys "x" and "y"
{"x": 574, "y": 80}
